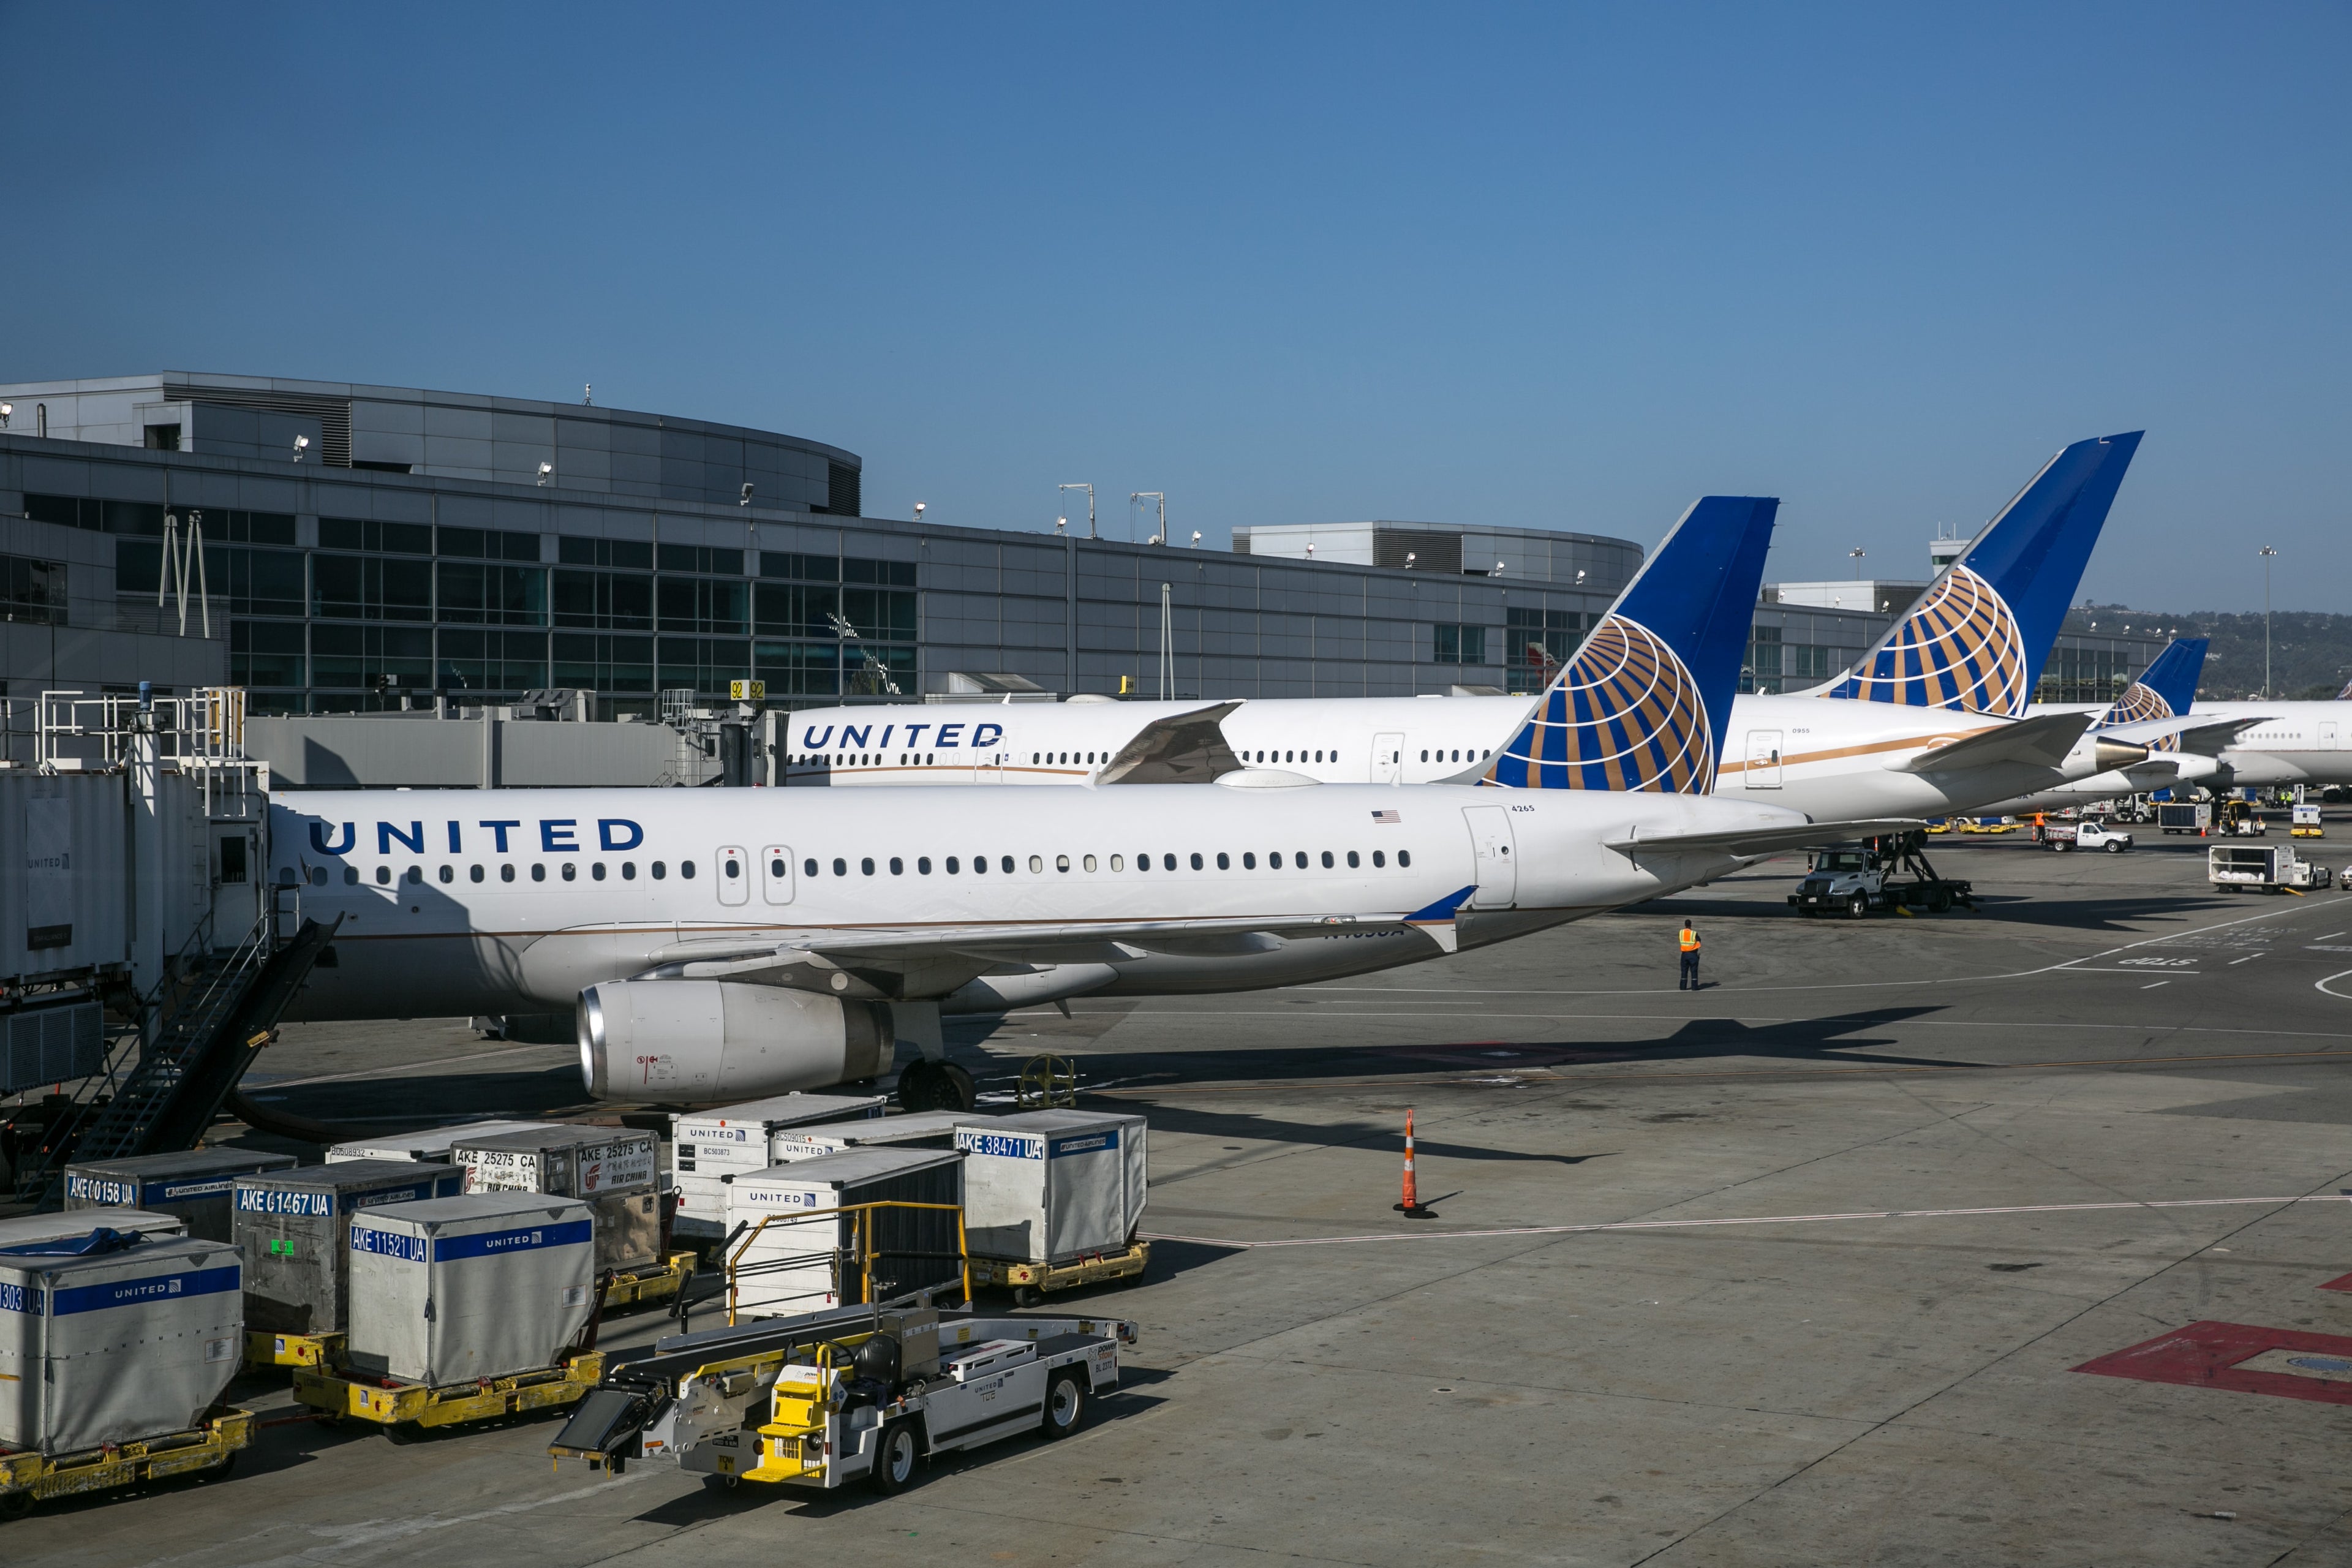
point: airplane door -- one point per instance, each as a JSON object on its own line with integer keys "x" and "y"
{"x": 734, "y": 877}
{"x": 776, "y": 873}
{"x": 1388, "y": 758}
{"x": 2327, "y": 742}
{"x": 1490, "y": 838}
{"x": 1763, "y": 759}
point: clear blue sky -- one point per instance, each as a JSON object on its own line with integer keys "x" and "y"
{"x": 1562, "y": 266}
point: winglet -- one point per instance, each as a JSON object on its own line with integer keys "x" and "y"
{"x": 1640, "y": 704}
{"x": 1978, "y": 637}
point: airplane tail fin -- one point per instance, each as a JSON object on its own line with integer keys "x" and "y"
{"x": 1640, "y": 704}
{"x": 1978, "y": 637}
{"x": 2165, "y": 687}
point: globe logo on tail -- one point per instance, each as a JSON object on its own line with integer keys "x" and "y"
{"x": 1960, "y": 647}
{"x": 1625, "y": 714}
{"x": 2141, "y": 702}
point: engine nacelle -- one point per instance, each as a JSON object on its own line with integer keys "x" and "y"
{"x": 710, "y": 1041}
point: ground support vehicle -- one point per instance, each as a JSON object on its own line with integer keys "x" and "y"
{"x": 1986, "y": 825}
{"x": 2307, "y": 824}
{"x": 1029, "y": 1283}
{"x": 209, "y": 1450}
{"x": 2181, "y": 816}
{"x": 2265, "y": 867}
{"x": 858, "y": 1392}
{"x": 406, "y": 1410}
{"x": 1886, "y": 873}
{"x": 2088, "y": 834}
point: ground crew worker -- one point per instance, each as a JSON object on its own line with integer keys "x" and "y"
{"x": 1689, "y": 940}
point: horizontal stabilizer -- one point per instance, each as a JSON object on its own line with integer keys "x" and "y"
{"x": 1763, "y": 840}
{"x": 1183, "y": 747}
{"x": 2188, "y": 733}
{"x": 2041, "y": 742}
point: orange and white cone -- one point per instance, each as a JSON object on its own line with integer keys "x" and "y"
{"x": 1411, "y": 1208}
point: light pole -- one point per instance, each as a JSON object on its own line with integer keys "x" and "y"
{"x": 2266, "y": 553}
{"x": 1090, "y": 504}
{"x": 1160, "y": 537}
{"x": 1856, "y": 554}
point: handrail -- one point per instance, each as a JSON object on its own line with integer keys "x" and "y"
{"x": 866, "y": 1251}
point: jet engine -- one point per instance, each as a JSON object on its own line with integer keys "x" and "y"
{"x": 709, "y": 1041}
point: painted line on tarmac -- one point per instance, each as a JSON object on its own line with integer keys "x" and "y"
{"x": 384, "y": 1069}
{"x": 2325, "y": 985}
{"x": 1754, "y": 1219}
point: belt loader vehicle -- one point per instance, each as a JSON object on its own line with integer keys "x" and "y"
{"x": 858, "y": 1393}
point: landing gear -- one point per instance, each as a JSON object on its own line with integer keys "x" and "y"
{"x": 927, "y": 1085}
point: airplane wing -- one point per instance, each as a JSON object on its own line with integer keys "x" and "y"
{"x": 2204, "y": 740}
{"x": 2042, "y": 741}
{"x": 809, "y": 959}
{"x": 1184, "y": 748}
{"x": 1767, "y": 841}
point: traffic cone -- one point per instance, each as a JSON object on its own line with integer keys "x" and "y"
{"x": 1411, "y": 1208}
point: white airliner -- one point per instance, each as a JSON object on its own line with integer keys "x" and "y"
{"x": 1930, "y": 722}
{"x": 730, "y": 944}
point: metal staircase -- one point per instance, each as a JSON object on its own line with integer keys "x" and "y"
{"x": 211, "y": 1018}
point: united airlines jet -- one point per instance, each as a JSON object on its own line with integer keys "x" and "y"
{"x": 724, "y": 944}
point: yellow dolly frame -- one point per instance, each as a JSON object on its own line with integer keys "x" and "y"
{"x": 404, "y": 1410}
{"x": 1030, "y": 1282}
{"x": 210, "y": 1450}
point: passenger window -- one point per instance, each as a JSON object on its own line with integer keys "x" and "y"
{"x": 1196, "y": 861}
{"x": 898, "y": 867}
{"x": 1090, "y": 862}
{"x": 979, "y": 865}
{"x": 383, "y": 875}
{"x": 350, "y": 875}
{"x": 474, "y": 873}
{"x": 1036, "y": 862}
{"x": 951, "y": 865}
{"x": 1005, "y": 864}
{"x": 776, "y": 866}
{"x": 840, "y": 867}
{"x": 1224, "y": 862}
{"x": 732, "y": 870}
{"x": 685, "y": 869}
{"x": 866, "y": 865}
{"x": 1352, "y": 861}
{"x": 415, "y": 875}
{"x": 661, "y": 870}
{"x": 448, "y": 873}
{"x": 1061, "y": 862}
{"x": 1144, "y": 862}
{"x": 318, "y": 876}
{"x": 1118, "y": 862}
{"x": 1404, "y": 856}
{"x": 597, "y": 870}
{"x": 1273, "y": 861}
{"x": 1167, "y": 862}
{"x": 1379, "y": 858}
{"x": 538, "y": 873}
{"x": 506, "y": 873}
{"x": 628, "y": 870}
{"x": 1299, "y": 859}
{"x": 1249, "y": 860}
{"x": 1327, "y": 859}
{"x": 572, "y": 872}
{"x": 1425, "y": 754}
{"x": 808, "y": 867}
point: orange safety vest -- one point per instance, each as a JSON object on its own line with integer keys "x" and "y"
{"x": 1690, "y": 939}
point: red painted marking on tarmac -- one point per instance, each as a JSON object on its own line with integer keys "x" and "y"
{"x": 2206, "y": 1355}
{"x": 2343, "y": 1284}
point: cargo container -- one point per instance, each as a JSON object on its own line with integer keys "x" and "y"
{"x": 115, "y": 1345}
{"x": 615, "y": 1169}
{"x": 708, "y": 1146}
{"x": 197, "y": 1185}
{"x": 426, "y": 1142}
{"x": 295, "y": 1228}
{"x": 812, "y": 1265}
{"x": 1047, "y": 1186}
{"x": 483, "y": 1285}
{"x": 51, "y": 1227}
{"x": 68, "y": 908}
{"x": 919, "y": 1129}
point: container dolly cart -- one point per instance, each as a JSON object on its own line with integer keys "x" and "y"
{"x": 1030, "y": 1282}
{"x": 208, "y": 1451}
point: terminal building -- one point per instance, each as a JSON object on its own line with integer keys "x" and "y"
{"x": 337, "y": 548}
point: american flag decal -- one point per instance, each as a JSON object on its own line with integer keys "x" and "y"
{"x": 1397, "y": 816}
{"x": 1961, "y": 647}
{"x": 1625, "y": 714}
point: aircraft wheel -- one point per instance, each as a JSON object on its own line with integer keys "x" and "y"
{"x": 959, "y": 1083}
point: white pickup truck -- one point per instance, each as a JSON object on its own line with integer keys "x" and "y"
{"x": 2088, "y": 834}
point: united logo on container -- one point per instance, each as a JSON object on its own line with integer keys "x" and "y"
{"x": 1625, "y": 714}
{"x": 1959, "y": 648}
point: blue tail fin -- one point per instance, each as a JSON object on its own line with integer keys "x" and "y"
{"x": 2165, "y": 687}
{"x": 1978, "y": 638}
{"x": 1640, "y": 704}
